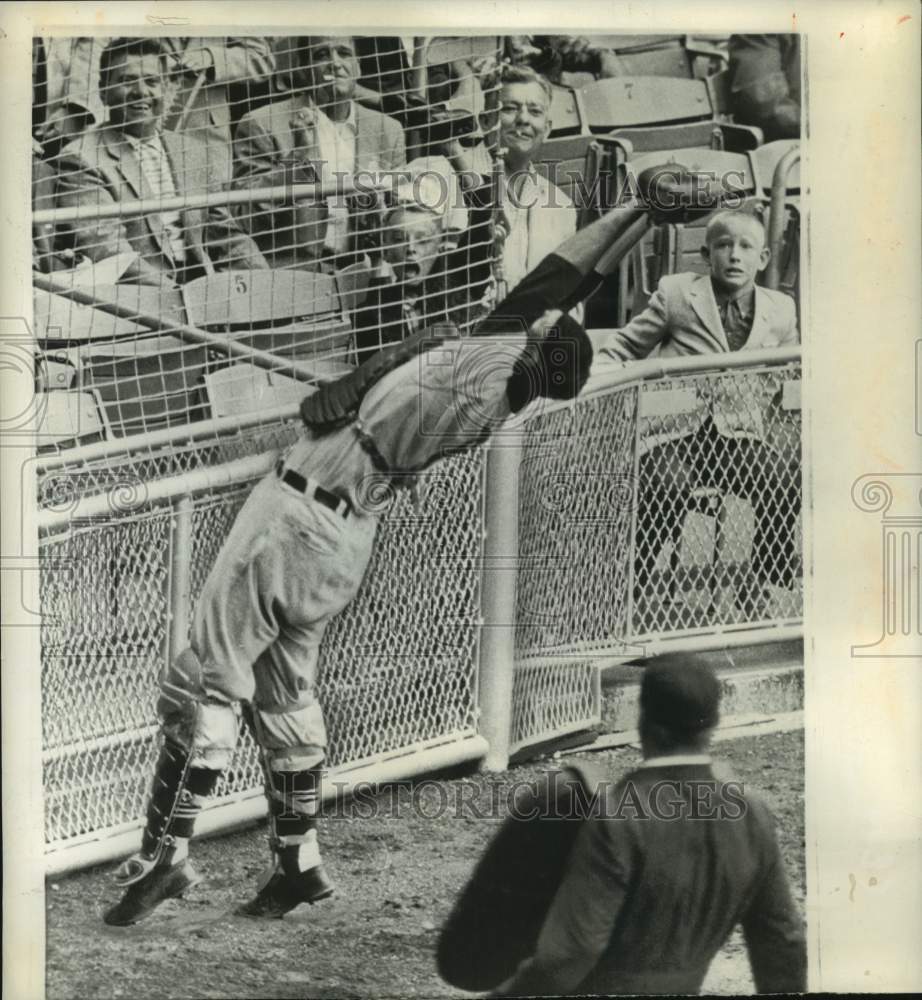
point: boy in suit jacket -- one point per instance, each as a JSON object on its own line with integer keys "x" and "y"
{"x": 311, "y": 137}
{"x": 721, "y": 443}
{"x": 132, "y": 157}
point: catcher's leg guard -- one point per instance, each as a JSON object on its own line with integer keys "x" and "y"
{"x": 296, "y": 873}
{"x": 160, "y": 870}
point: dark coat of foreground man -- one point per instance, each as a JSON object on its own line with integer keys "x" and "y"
{"x": 649, "y": 885}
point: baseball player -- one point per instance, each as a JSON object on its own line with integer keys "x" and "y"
{"x": 297, "y": 554}
{"x": 295, "y": 558}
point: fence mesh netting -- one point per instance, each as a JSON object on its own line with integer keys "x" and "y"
{"x": 221, "y": 223}
{"x": 211, "y": 211}
{"x": 668, "y": 507}
{"x": 398, "y": 670}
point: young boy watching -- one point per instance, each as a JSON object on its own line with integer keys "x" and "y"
{"x": 723, "y": 310}
{"x": 722, "y": 441}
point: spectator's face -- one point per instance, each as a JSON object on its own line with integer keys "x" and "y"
{"x": 135, "y": 93}
{"x": 736, "y": 252}
{"x": 334, "y": 69}
{"x": 411, "y": 244}
{"x": 523, "y": 119}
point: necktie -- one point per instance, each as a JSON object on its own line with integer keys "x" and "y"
{"x": 157, "y": 173}
{"x": 735, "y": 326}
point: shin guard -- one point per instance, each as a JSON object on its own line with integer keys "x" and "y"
{"x": 178, "y": 793}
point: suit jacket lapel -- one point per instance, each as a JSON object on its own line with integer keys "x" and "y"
{"x": 761, "y": 319}
{"x": 701, "y": 296}
{"x": 367, "y": 140}
{"x": 129, "y": 166}
{"x": 190, "y": 176}
{"x": 126, "y": 161}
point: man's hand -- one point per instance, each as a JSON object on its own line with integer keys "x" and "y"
{"x": 196, "y": 60}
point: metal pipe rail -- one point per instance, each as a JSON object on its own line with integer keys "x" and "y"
{"x": 776, "y": 214}
{"x": 605, "y": 377}
{"x": 192, "y": 334}
{"x": 280, "y": 193}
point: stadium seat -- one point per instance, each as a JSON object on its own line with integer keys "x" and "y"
{"x": 658, "y": 55}
{"x": 566, "y": 116}
{"x": 144, "y": 383}
{"x": 143, "y": 380}
{"x": 708, "y": 134}
{"x": 68, "y": 419}
{"x": 765, "y": 159}
{"x": 621, "y": 102}
{"x": 59, "y": 320}
{"x": 244, "y": 388}
{"x": 295, "y": 314}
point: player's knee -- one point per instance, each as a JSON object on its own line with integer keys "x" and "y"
{"x": 292, "y": 732}
{"x": 294, "y": 776}
{"x": 207, "y": 731}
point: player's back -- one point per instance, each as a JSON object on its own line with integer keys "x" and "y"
{"x": 690, "y": 850}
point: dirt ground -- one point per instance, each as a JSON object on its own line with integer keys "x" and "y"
{"x": 396, "y": 878}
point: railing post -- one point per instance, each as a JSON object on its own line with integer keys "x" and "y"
{"x": 180, "y": 581}
{"x": 497, "y": 597}
{"x": 776, "y": 215}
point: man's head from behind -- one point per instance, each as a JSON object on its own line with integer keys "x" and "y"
{"x": 329, "y": 68}
{"x": 133, "y": 84}
{"x": 679, "y": 707}
{"x": 524, "y": 114}
{"x": 735, "y": 249}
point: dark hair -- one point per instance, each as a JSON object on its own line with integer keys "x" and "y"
{"x": 120, "y": 47}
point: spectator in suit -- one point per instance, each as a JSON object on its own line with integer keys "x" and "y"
{"x": 667, "y": 862}
{"x": 318, "y": 133}
{"x": 131, "y": 157}
{"x": 722, "y": 443}
{"x": 68, "y": 100}
{"x": 765, "y": 83}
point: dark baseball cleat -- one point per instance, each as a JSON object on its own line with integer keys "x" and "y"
{"x": 282, "y": 893}
{"x": 142, "y": 898}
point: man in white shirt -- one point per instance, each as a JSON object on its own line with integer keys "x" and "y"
{"x": 317, "y": 134}
{"x": 538, "y": 215}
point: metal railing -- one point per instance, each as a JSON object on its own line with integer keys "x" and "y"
{"x": 483, "y": 620}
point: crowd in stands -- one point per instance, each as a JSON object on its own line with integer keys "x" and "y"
{"x": 175, "y": 118}
{"x": 411, "y": 173}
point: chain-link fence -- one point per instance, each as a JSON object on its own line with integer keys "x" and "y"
{"x": 398, "y": 668}
{"x": 217, "y": 221}
{"x": 661, "y": 510}
{"x": 120, "y": 574}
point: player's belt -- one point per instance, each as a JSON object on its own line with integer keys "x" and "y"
{"x": 313, "y": 490}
